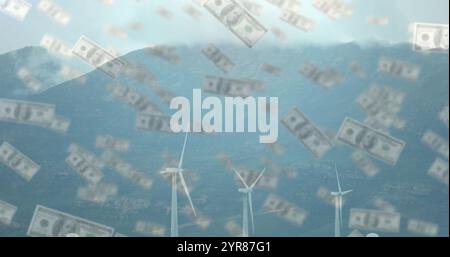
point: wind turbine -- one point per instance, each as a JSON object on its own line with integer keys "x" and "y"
{"x": 338, "y": 205}
{"x": 247, "y": 202}
{"x": 174, "y": 210}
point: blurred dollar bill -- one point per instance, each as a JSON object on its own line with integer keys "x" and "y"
{"x": 378, "y": 21}
{"x": 398, "y": 68}
{"x": 237, "y": 19}
{"x": 383, "y": 205}
{"x": 59, "y": 124}
{"x": 116, "y": 32}
{"x": 436, "y": 142}
{"x": 422, "y": 228}
{"x": 7, "y": 212}
{"x": 98, "y": 57}
{"x": 308, "y": 133}
{"x": 164, "y": 13}
{"x": 79, "y": 163}
{"x": 219, "y": 59}
{"x": 90, "y": 157}
{"x": 374, "y": 220}
{"x": 285, "y": 209}
{"x": 54, "y": 11}
{"x": 355, "y": 233}
{"x": 326, "y": 78}
{"x": 298, "y": 21}
{"x": 334, "y": 9}
{"x": 227, "y": 87}
{"x": 443, "y": 116}
{"x": 48, "y": 222}
{"x": 364, "y": 163}
{"x": 56, "y": 45}
{"x": 293, "y": 5}
{"x": 167, "y": 53}
{"x": 199, "y": 219}
{"x": 127, "y": 170}
{"x": 133, "y": 98}
{"x": 112, "y": 143}
{"x": 252, "y": 6}
{"x": 191, "y": 11}
{"x": 153, "y": 122}
{"x": 99, "y": 193}
{"x": 384, "y": 147}
{"x": 150, "y": 228}
{"x": 276, "y": 71}
{"x": 17, "y": 161}
{"x": 126, "y": 205}
{"x": 233, "y": 228}
{"x": 324, "y": 194}
{"x": 279, "y": 34}
{"x": 24, "y": 112}
{"x": 279, "y": 170}
{"x": 29, "y": 80}
{"x": 428, "y": 37}
{"x": 357, "y": 69}
{"x": 68, "y": 73}
{"x": 17, "y": 9}
{"x": 439, "y": 170}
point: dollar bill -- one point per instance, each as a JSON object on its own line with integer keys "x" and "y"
{"x": 54, "y": 11}
{"x": 29, "y": 80}
{"x": 68, "y": 73}
{"x": 276, "y": 71}
{"x": 381, "y": 99}
{"x": 59, "y": 124}
{"x": 134, "y": 99}
{"x": 117, "y": 32}
{"x": 293, "y": 5}
{"x": 436, "y": 142}
{"x": 285, "y": 209}
{"x": 355, "y": 233}
{"x": 192, "y": 11}
{"x": 398, "y": 68}
{"x": 357, "y": 69}
{"x": 298, "y": 21}
{"x": 326, "y": 78}
{"x": 383, "y": 205}
{"x": 279, "y": 34}
{"x": 48, "y": 222}
{"x": 308, "y": 133}
{"x": 252, "y": 6}
{"x": 153, "y": 122}
{"x": 378, "y": 21}
{"x": 98, "y": 57}
{"x": 99, "y": 193}
{"x": 334, "y": 9}
{"x": 56, "y": 45}
{"x": 443, "y": 115}
{"x": 324, "y": 194}
{"x": 150, "y": 228}
{"x": 87, "y": 155}
{"x": 200, "y": 219}
{"x": 219, "y": 59}
{"x": 164, "y": 13}
{"x": 233, "y": 228}
{"x": 18, "y": 9}
{"x": 84, "y": 168}
{"x": 439, "y": 170}
{"x": 164, "y": 52}
{"x": 127, "y": 171}
{"x": 112, "y": 143}
{"x": 17, "y": 161}
{"x": 7, "y": 212}
{"x": 422, "y": 228}
{"x": 374, "y": 220}
{"x": 383, "y": 147}
{"x": 428, "y": 37}
{"x": 237, "y": 19}
{"x": 227, "y": 87}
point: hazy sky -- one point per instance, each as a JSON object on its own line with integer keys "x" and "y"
{"x": 91, "y": 17}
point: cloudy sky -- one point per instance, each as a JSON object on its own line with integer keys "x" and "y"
{"x": 91, "y": 18}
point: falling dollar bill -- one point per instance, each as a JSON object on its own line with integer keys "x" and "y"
{"x": 24, "y": 112}
{"x": 167, "y": 53}
{"x": 117, "y": 32}
{"x": 59, "y": 124}
{"x": 276, "y": 71}
{"x": 29, "y": 80}
{"x": 56, "y": 45}
{"x": 150, "y": 228}
{"x": 422, "y": 228}
{"x": 401, "y": 69}
{"x": 326, "y": 78}
{"x": 439, "y": 170}
{"x": 374, "y": 220}
{"x": 227, "y": 87}
{"x": 381, "y": 99}
{"x": 334, "y": 9}
{"x": 88, "y": 156}
{"x": 443, "y": 116}
{"x": 292, "y": 5}
{"x": 112, "y": 143}
{"x": 378, "y": 21}
{"x": 84, "y": 168}
{"x": 279, "y": 34}
{"x": 383, "y": 205}
{"x": 54, "y": 11}
{"x": 17, "y": 161}
{"x": 436, "y": 142}
{"x": 153, "y": 122}
{"x": 357, "y": 69}
{"x": 285, "y": 209}
{"x": 428, "y": 37}
{"x": 253, "y": 7}
{"x": 48, "y": 222}
{"x": 18, "y": 9}
{"x": 133, "y": 98}
{"x": 198, "y": 218}
{"x": 99, "y": 193}
{"x": 98, "y": 57}
{"x": 376, "y": 143}
{"x": 7, "y": 212}
{"x": 218, "y": 58}
{"x": 237, "y": 19}
{"x": 192, "y": 11}
{"x": 305, "y": 131}
{"x": 355, "y": 233}
{"x": 233, "y": 228}
{"x": 324, "y": 194}
{"x": 298, "y": 21}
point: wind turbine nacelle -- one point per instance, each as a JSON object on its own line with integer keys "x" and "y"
{"x": 335, "y": 193}
{"x": 244, "y": 190}
{"x": 171, "y": 170}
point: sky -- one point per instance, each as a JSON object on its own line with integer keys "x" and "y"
{"x": 92, "y": 17}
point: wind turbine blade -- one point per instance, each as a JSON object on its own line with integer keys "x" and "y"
{"x": 258, "y": 178}
{"x": 250, "y": 205}
{"x": 186, "y": 190}
{"x": 337, "y": 176}
{"x": 180, "y": 164}
{"x": 240, "y": 177}
{"x": 340, "y": 210}
{"x": 346, "y": 192}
